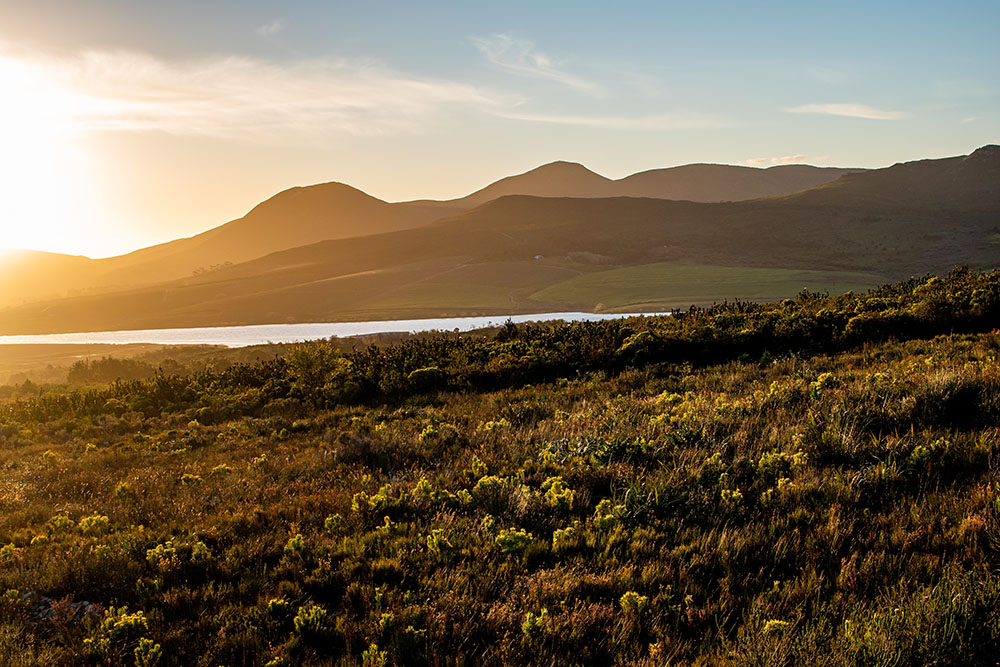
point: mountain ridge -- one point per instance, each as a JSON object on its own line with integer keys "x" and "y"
{"x": 521, "y": 253}
{"x": 308, "y": 214}
{"x": 702, "y": 182}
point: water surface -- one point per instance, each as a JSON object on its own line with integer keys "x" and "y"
{"x": 260, "y": 334}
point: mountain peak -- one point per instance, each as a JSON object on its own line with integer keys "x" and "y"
{"x": 554, "y": 179}
{"x": 988, "y": 152}
{"x": 562, "y": 164}
{"x": 559, "y": 169}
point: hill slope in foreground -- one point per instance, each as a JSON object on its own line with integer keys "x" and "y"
{"x": 806, "y": 482}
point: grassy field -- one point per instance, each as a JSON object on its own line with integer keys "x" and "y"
{"x": 670, "y": 284}
{"x": 49, "y": 363}
{"x": 482, "y": 287}
{"x": 805, "y": 482}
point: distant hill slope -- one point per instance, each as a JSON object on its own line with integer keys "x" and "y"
{"x": 556, "y": 179}
{"x": 329, "y": 211}
{"x": 693, "y": 182}
{"x": 294, "y": 217}
{"x": 504, "y": 256}
{"x": 717, "y": 182}
{"x": 29, "y": 275}
{"x": 967, "y": 182}
{"x": 291, "y": 218}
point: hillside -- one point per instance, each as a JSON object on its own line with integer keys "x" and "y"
{"x": 291, "y": 218}
{"x": 796, "y": 483}
{"x": 556, "y": 179}
{"x": 717, "y": 182}
{"x": 30, "y": 275}
{"x": 964, "y": 183}
{"x": 533, "y": 254}
{"x": 329, "y": 211}
{"x": 693, "y": 182}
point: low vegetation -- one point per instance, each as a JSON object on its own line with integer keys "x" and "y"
{"x": 804, "y": 482}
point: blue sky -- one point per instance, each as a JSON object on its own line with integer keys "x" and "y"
{"x": 162, "y": 119}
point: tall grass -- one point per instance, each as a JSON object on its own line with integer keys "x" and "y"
{"x": 749, "y": 485}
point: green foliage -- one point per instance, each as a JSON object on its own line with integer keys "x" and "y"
{"x": 535, "y": 624}
{"x": 187, "y": 479}
{"x": 147, "y": 653}
{"x": 310, "y": 622}
{"x": 116, "y": 633}
{"x": 373, "y": 657}
{"x": 333, "y": 523}
{"x": 295, "y": 546}
{"x": 557, "y": 494}
{"x": 513, "y": 540}
{"x": 832, "y": 493}
{"x": 95, "y": 524}
{"x": 108, "y": 369}
{"x": 632, "y": 603}
{"x": 606, "y": 515}
{"x": 563, "y": 538}
{"x": 426, "y": 379}
{"x": 437, "y": 543}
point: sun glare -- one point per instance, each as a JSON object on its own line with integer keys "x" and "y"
{"x": 43, "y": 168}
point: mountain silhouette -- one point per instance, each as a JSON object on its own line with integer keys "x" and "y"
{"x": 329, "y": 211}
{"x": 966, "y": 182}
{"x": 693, "y": 182}
{"x": 521, "y": 253}
{"x": 556, "y": 179}
{"x": 717, "y": 182}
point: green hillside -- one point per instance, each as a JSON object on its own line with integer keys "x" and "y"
{"x": 669, "y": 284}
{"x": 810, "y": 481}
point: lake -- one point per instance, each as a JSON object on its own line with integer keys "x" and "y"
{"x": 260, "y": 334}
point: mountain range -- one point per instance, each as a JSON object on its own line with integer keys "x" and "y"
{"x": 555, "y": 238}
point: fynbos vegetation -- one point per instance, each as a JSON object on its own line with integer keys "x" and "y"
{"x": 804, "y": 482}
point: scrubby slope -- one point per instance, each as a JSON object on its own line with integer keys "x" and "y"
{"x": 753, "y": 484}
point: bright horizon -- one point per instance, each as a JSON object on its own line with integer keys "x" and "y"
{"x": 129, "y": 124}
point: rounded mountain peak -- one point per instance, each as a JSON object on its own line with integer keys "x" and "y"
{"x": 988, "y": 152}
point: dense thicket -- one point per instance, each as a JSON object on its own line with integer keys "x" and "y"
{"x": 806, "y": 482}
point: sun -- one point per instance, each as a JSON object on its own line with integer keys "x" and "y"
{"x": 44, "y": 180}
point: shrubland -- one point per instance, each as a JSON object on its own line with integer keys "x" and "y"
{"x": 805, "y": 482}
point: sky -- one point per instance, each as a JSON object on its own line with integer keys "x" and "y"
{"x": 125, "y": 123}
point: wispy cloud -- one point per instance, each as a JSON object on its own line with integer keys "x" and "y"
{"x": 245, "y": 97}
{"x": 788, "y": 159}
{"x": 271, "y": 28}
{"x": 655, "y": 122}
{"x": 305, "y": 100}
{"x": 850, "y": 109}
{"x": 784, "y": 159}
{"x": 519, "y": 56}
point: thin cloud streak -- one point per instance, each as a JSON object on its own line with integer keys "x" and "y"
{"x": 248, "y": 99}
{"x": 659, "y": 122}
{"x": 271, "y": 28}
{"x": 849, "y": 109}
{"x": 784, "y": 159}
{"x": 788, "y": 159}
{"x": 519, "y": 56}
{"x": 235, "y": 97}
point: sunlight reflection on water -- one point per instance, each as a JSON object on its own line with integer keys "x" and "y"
{"x": 259, "y": 334}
